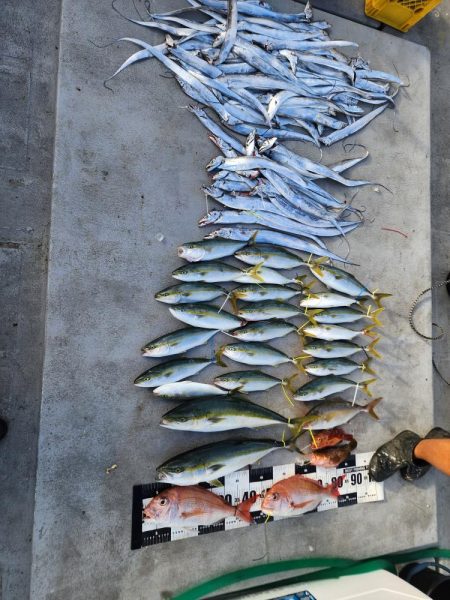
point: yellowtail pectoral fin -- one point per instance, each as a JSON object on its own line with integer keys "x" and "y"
{"x": 254, "y": 272}
{"x": 301, "y": 281}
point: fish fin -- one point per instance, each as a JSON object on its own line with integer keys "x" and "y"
{"x": 310, "y": 314}
{"x": 192, "y": 513}
{"x": 252, "y": 239}
{"x": 368, "y": 331}
{"x": 218, "y": 354}
{"x": 297, "y": 360}
{"x": 216, "y": 467}
{"x": 333, "y": 489}
{"x": 371, "y": 348}
{"x": 254, "y": 272}
{"x": 378, "y": 296}
{"x": 287, "y": 383}
{"x": 215, "y": 482}
{"x": 300, "y": 504}
{"x": 362, "y": 303}
{"x": 364, "y": 385}
{"x": 243, "y": 509}
{"x": 371, "y": 408}
{"x": 237, "y": 390}
{"x": 320, "y": 260}
{"x": 352, "y": 444}
{"x": 300, "y": 280}
{"x": 372, "y": 315}
{"x": 365, "y": 367}
{"x": 215, "y": 419}
{"x": 233, "y": 302}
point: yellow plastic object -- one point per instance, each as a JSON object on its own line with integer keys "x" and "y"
{"x": 400, "y": 14}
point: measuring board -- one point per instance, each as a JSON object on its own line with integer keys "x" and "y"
{"x": 351, "y": 476}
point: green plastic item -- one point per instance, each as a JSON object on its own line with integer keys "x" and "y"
{"x": 330, "y": 568}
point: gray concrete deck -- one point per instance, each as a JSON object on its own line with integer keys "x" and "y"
{"x": 82, "y": 531}
{"x": 127, "y": 166}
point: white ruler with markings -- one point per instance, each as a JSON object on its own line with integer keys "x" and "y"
{"x": 351, "y": 477}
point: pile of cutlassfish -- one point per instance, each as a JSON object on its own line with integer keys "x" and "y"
{"x": 270, "y": 76}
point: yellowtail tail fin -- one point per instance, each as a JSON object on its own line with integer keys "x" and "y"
{"x": 297, "y": 360}
{"x": 368, "y": 331}
{"x": 365, "y": 367}
{"x": 310, "y": 314}
{"x": 286, "y": 395}
{"x": 378, "y": 296}
{"x": 218, "y": 355}
{"x": 287, "y": 382}
{"x": 371, "y": 348}
{"x": 233, "y": 302}
{"x": 370, "y": 408}
{"x": 373, "y": 316}
{"x": 364, "y": 385}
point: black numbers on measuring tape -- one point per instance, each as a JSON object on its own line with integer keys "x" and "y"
{"x": 339, "y": 480}
{"x": 246, "y": 495}
{"x": 228, "y": 498}
{"x": 356, "y": 478}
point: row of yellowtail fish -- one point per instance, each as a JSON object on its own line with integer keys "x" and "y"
{"x": 271, "y": 77}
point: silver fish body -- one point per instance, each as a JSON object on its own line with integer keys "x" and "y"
{"x": 172, "y": 371}
{"x": 334, "y": 366}
{"x": 187, "y": 389}
{"x": 190, "y": 292}
{"x": 267, "y": 309}
{"x": 247, "y": 381}
{"x": 178, "y": 342}
{"x": 333, "y": 413}
{"x": 328, "y": 385}
{"x": 273, "y": 257}
{"x": 214, "y": 460}
{"x": 205, "y": 316}
{"x": 251, "y": 353}
{"x": 254, "y": 292}
{"x": 211, "y": 415}
{"x": 326, "y": 300}
{"x": 208, "y": 249}
{"x": 263, "y": 331}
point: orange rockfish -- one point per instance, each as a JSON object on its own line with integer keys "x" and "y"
{"x": 331, "y": 457}
{"x": 295, "y": 495}
{"x": 330, "y": 437}
{"x": 189, "y": 506}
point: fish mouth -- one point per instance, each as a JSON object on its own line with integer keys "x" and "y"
{"x": 161, "y": 475}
